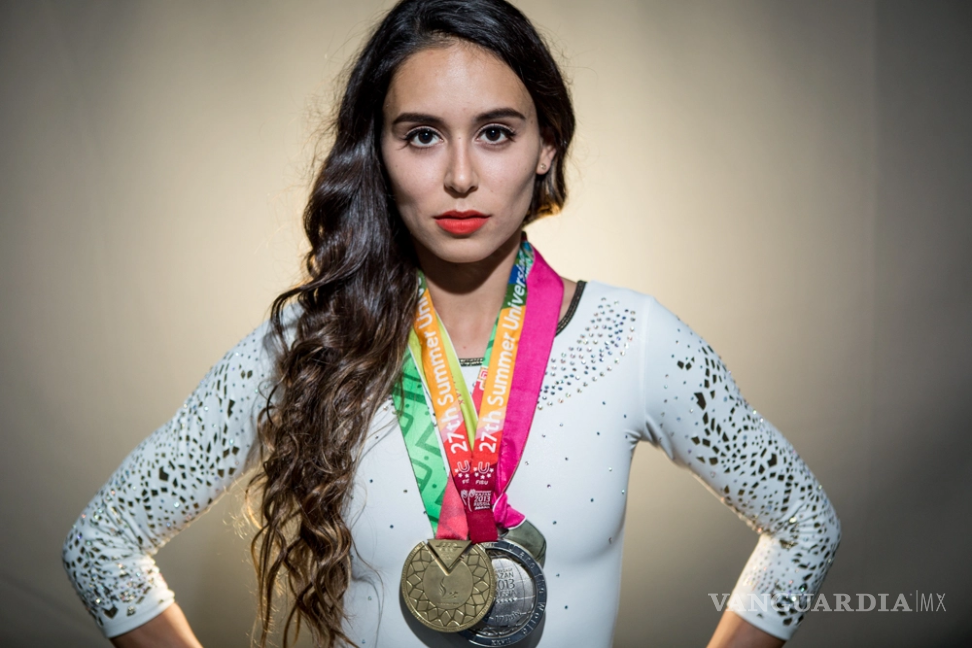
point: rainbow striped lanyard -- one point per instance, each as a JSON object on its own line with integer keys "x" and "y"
{"x": 469, "y": 426}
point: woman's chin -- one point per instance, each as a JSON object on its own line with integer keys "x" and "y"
{"x": 475, "y": 248}
{"x": 461, "y": 252}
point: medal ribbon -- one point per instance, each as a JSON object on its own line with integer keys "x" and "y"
{"x": 481, "y": 465}
{"x": 473, "y": 463}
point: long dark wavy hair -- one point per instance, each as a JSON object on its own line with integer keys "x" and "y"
{"x": 342, "y": 345}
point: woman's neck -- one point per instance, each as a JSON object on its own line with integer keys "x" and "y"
{"x": 468, "y": 296}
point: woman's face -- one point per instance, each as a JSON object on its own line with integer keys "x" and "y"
{"x": 462, "y": 146}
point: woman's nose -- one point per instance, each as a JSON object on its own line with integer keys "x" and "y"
{"x": 461, "y": 176}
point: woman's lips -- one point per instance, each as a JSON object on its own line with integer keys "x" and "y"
{"x": 461, "y": 223}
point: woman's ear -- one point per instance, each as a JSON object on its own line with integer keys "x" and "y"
{"x": 548, "y": 151}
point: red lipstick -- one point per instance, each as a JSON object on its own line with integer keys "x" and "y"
{"x": 461, "y": 223}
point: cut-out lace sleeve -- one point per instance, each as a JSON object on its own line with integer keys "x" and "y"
{"x": 696, "y": 415}
{"x": 168, "y": 480}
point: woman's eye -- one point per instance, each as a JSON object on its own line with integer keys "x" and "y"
{"x": 422, "y": 137}
{"x": 497, "y": 134}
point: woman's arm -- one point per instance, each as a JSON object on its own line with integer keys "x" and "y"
{"x": 734, "y": 632}
{"x": 695, "y": 413}
{"x": 172, "y": 477}
{"x": 168, "y": 630}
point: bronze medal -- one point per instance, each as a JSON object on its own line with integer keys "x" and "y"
{"x": 448, "y": 585}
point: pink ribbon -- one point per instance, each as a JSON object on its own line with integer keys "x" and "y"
{"x": 545, "y": 294}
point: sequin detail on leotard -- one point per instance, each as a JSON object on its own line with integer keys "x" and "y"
{"x": 599, "y": 347}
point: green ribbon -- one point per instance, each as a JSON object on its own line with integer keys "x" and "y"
{"x": 421, "y": 439}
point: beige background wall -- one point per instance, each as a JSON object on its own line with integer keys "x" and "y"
{"x": 791, "y": 178}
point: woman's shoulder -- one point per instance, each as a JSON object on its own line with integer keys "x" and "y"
{"x": 600, "y": 290}
{"x": 622, "y": 314}
{"x": 604, "y": 319}
{"x": 597, "y": 300}
{"x": 263, "y": 344}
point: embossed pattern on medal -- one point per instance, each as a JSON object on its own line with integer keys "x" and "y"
{"x": 516, "y": 598}
{"x": 439, "y": 617}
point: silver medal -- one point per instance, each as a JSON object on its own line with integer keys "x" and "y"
{"x": 521, "y": 597}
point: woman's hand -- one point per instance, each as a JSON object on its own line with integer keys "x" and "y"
{"x": 168, "y": 630}
{"x": 734, "y": 632}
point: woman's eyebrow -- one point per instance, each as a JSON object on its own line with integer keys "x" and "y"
{"x": 496, "y": 113}
{"x": 500, "y": 113}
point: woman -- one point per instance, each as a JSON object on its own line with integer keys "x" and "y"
{"x": 426, "y": 315}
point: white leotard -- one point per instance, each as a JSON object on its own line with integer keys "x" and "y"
{"x": 623, "y": 369}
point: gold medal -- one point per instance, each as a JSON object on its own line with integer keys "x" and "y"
{"x": 448, "y": 585}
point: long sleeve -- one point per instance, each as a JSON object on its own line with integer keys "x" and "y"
{"x": 696, "y": 415}
{"x": 172, "y": 477}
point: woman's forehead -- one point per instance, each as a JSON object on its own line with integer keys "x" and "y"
{"x": 456, "y": 80}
